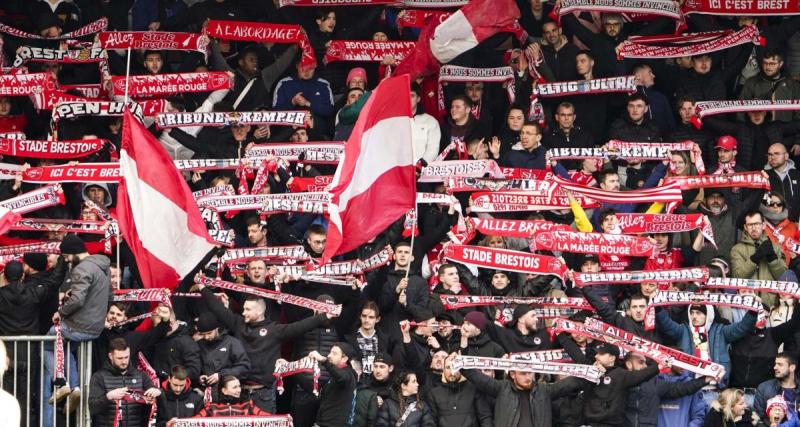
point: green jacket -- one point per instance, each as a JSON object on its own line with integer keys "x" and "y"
{"x": 744, "y": 268}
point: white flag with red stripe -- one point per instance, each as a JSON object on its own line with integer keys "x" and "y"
{"x": 472, "y": 24}
{"x": 374, "y": 184}
{"x": 7, "y": 218}
{"x": 158, "y": 215}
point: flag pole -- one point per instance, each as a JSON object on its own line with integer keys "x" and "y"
{"x": 127, "y": 73}
{"x": 413, "y": 232}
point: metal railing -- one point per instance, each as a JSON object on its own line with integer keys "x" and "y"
{"x": 25, "y": 379}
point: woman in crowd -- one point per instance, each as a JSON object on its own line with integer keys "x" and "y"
{"x": 404, "y": 408}
{"x": 730, "y": 410}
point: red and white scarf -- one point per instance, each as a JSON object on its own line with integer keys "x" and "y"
{"x": 789, "y": 289}
{"x": 35, "y": 200}
{"x": 60, "y": 225}
{"x": 71, "y": 110}
{"x": 518, "y": 201}
{"x": 667, "y": 193}
{"x": 636, "y": 223}
{"x": 232, "y": 118}
{"x": 43, "y": 149}
{"x": 504, "y": 259}
{"x": 309, "y": 184}
{"x": 21, "y": 249}
{"x": 266, "y": 253}
{"x": 306, "y": 365}
{"x": 153, "y": 40}
{"x": 713, "y": 108}
{"x": 604, "y": 332}
{"x": 514, "y": 228}
{"x": 216, "y": 229}
{"x": 588, "y": 372}
{"x": 764, "y": 8}
{"x": 82, "y": 172}
{"x": 739, "y": 180}
{"x": 414, "y": 18}
{"x": 622, "y": 84}
{"x": 556, "y": 355}
{"x": 366, "y": 50}
{"x": 271, "y": 203}
{"x": 694, "y": 274}
{"x": 651, "y": 7}
{"x": 207, "y": 164}
{"x": 276, "y": 296}
{"x": 663, "y": 151}
{"x": 219, "y": 190}
{"x": 86, "y": 30}
{"x": 159, "y": 295}
{"x": 263, "y": 33}
{"x": 456, "y": 302}
{"x": 27, "y": 54}
{"x": 666, "y": 298}
{"x": 59, "y": 376}
{"x": 454, "y": 73}
{"x": 438, "y": 171}
{"x": 326, "y": 153}
{"x": 462, "y": 184}
{"x": 261, "y": 421}
{"x": 435, "y": 4}
{"x": 134, "y": 396}
{"x": 25, "y": 84}
{"x": 523, "y": 173}
{"x": 593, "y": 243}
{"x": 687, "y": 44}
{"x": 148, "y": 85}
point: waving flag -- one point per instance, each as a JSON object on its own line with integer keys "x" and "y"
{"x": 375, "y": 182}
{"x": 158, "y": 215}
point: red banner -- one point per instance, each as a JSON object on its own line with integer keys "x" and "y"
{"x": 363, "y": 50}
{"x": 514, "y": 228}
{"x": 593, "y": 243}
{"x": 153, "y": 40}
{"x": 42, "y": 149}
{"x": 25, "y": 84}
{"x": 263, "y": 33}
{"x": 504, "y": 259}
{"x": 83, "y": 172}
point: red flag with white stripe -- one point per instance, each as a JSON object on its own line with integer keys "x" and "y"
{"x": 374, "y": 184}
{"x": 460, "y": 32}
{"x": 158, "y": 215}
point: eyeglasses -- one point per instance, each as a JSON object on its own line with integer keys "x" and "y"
{"x": 775, "y": 204}
{"x": 753, "y": 224}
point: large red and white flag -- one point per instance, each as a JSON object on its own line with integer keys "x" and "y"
{"x": 460, "y": 32}
{"x": 158, "y": 215}
{"x": 374, "y": 184}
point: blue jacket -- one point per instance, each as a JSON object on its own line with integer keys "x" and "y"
{"x": 719, "y": 336}
{"x": 684, "y": 411}
{"x": 316, "y": 90}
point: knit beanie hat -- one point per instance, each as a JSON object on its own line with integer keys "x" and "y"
{"x": 477, "y": 318}
{"x": 72, "y": 244}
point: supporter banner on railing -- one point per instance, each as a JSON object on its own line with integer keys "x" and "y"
{"x": 261, "y": 421}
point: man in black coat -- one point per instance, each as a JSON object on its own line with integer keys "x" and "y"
{"x": 177, "y": 399}
{"x": 412, "y": 290}
{"x": 109, "y": 387}
{"x": 336, "y": 396}
{"x": 456, "y": 402}
{"x": 261, "y": 339}
{"x": 559, "y": 53}
{"x": 784, "y": 178}
{"x": 177, "y": 348}
{"x": 635, "y": 126}
{"x": 567, "y": 134}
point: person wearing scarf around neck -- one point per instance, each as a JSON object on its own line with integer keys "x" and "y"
{"x": 777, "y": 225}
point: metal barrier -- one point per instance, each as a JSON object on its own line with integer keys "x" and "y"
{"x": 25, "y": 380}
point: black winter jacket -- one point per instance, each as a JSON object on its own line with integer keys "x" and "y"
{"x": 261, "y": 340}
{"x": 177, "y": 348}
{"x": 624, "y": 129}
{"x": 605, "y": 402}
{"x": 103, "y": 410}
{"x": 223, "y": 356}
{"x": 336, "y": 396}
{"x": 170, "y": 405}
{"x": 456, "y": 404}
{"x": 610, "y": 316}
{"x": 390, "y": 414}
{"x": 644, "y": 400}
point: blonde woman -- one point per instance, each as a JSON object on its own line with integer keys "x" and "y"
{"x": 9, "y": 407}
{"x": 730, "y": 410}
